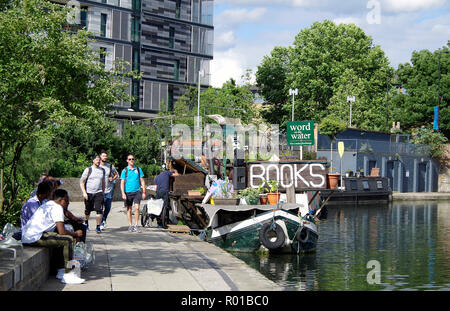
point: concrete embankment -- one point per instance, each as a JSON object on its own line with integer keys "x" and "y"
{"x": 420, "y": 196}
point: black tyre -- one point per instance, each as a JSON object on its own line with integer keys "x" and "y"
{"x": 271, "y": 235}
{"x": 302, "y": 235}
{"x": 144, "y": 216}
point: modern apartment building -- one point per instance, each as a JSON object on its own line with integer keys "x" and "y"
{"x": 169, "y": 41}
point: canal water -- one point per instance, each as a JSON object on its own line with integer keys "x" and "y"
{"x": 398, "y": 246}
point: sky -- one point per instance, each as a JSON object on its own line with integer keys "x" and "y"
{"x": 247, "y": 30}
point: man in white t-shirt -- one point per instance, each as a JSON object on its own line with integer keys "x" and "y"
{"x": 46, "y": 229}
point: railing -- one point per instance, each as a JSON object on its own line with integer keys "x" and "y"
{"x": 373, "y": 146}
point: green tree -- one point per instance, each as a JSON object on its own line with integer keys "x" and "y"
{"x": 420, "y": 80}
{"x": 271, "y": 80}
{"x": 326, "y": 63}
{"x": 47, "y": 74}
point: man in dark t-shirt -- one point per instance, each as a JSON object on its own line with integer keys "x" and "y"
{"x": 162, "y": 191}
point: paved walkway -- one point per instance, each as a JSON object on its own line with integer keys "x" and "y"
{"x": 156, "y": 260}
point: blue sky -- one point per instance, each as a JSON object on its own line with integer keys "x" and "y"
{"x": 247, "y": 30}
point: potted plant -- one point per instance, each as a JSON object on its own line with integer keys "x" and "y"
{"x": 251, "y": 195}
{"x": 263, "y": 193}
{"x": 273, "y": 196}
{"x": 196, "y": 191}
{"x": 348, "y": 173}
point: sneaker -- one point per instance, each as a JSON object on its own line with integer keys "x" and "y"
{"x": 98, "y": 230}
{"x": 71, "y": 278}
{"x": 137, "y": 229}
{"x": 103, "y": 225}
{"x": 60, "y": 274}
{"x": 130, "y": 228}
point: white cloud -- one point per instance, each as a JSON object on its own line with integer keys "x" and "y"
{"x": 397, "y": 6}
{"x": 224, "y": 40}
{"x": 347, "y": 20}
{"x": 237, "y": 16}
{"x": 226, "y": 65}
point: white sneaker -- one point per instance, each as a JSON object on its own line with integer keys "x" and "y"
{"x": 60, "y": 274}
{"x": 103, "y": 225}
{"x": 71, "y": 278}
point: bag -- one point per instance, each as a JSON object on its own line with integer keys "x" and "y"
{"x": 8, "y": 231}
{"x": 90, "y": 172}
{"x": 84, "y": 254}
{"x": 155, "y": 207}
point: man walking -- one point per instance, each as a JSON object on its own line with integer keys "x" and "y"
{"x": 131, "y": 183}
{"x": 110, "y": 176}
{"x": 92, "y": 184}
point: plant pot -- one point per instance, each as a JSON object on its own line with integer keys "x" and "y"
{"x": 263, "y": 199}
{"x": 231, "y": 201}
{"x": 273, "y": 198}
{"x": 333, "y": 180}
{"x": 252, "y": 200}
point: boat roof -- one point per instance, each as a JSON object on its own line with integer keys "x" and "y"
{"x": 194, "y": 167}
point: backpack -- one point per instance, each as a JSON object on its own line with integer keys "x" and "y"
{"x": 89, "y": 174}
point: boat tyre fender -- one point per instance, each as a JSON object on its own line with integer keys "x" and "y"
{"x": 271, "y": 235}
{"x": 302, "y": 235}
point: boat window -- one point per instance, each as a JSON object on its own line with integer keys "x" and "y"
{"x": 379, "y": 184}
{"x": 365, "y": 184}
{"x": 353, "y": 185}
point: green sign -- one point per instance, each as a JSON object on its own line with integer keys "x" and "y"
{"x": 300, "y": 133}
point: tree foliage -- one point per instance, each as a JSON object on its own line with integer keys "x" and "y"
{"x": 420, "y": 79}
{"x": 327, "y": 63}
{"x": 47, "y": 74}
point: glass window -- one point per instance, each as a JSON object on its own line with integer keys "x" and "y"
{"x": 104, "y": 20}
{"x": 135, "y": 29}
{"x": 170, "y": 99}
{"x": 103, "y": 1}
{"x": 178, "y": 9}
{"x": 135, "y": 58}
{"x": 84, "y": 17}
{"x": 176, "y": 70}
{"x": 171, "y": 37}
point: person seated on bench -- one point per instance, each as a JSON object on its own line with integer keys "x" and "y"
{"x": 44, "y": 189}
{"x": 46, "y": 229}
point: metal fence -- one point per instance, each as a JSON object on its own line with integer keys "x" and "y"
{"x": 373, "y": 146}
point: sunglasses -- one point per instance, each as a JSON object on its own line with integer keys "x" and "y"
{"x": 131, "y": 159}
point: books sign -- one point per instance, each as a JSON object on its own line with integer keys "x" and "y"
{"x": 300, "y": 133}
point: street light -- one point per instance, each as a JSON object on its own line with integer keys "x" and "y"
{"x": 350, "y": 99}
{"x": 439, "y": 87}
{"x": 201, "y": 73}
{"x": 293, "y": 92}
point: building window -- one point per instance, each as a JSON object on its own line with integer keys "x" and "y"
{"x": 176, "y": 70}
{"x": 104, "y": 1}
{"x": 136, "y": 5}
{"x": 104, "y": 20}
{"x": 170, "y": 98}
{"x": 135, "y": 94}
{"x": 84, "y": 17}
{"x": 178, "y": 9}
{"x": 171, "y": 37}
{"x": 103, "y": 56}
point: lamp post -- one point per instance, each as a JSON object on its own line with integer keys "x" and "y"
{"x": 200, "y": 74}
{"x": 439, "y": 85}
{"x": 293, "y": 92}
{"x": 350, "y": 100}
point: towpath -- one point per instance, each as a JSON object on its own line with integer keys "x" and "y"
{"x": 156, "y": 260}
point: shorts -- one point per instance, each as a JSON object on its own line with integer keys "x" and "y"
{"x": 94, "y": 203}
{"x": 133, "y": 198}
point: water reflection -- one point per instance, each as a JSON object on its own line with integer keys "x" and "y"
{"x": 411, "y": 240}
